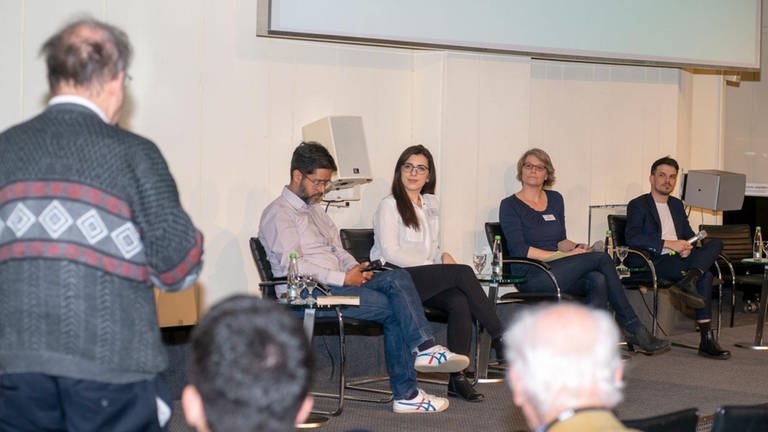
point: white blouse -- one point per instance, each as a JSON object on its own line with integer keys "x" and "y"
{"x": 405, "y": 246}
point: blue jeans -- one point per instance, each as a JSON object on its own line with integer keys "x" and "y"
{"x": 591, "y": 275}
{"x": 390, "y": 298}
{"x": 671, "y": 267}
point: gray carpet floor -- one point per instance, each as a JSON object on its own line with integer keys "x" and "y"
{"x": 654, "y": 385}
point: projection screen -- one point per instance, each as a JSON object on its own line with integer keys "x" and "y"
{"x": 718, "y": 34}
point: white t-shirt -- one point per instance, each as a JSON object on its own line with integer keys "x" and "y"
{"x": 668, "y": 231}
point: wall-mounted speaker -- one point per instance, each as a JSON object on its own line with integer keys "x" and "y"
{"x": 714, "y": 189}
{"x": 344, "y": 138}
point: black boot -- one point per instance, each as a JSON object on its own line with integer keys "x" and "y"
{"x": 459, "y": 385}
{"x": 686, "y": 288}
{"x": 708, "y": 347}
{"x": 644, "y": 342}
{"x": 498, "y": 345}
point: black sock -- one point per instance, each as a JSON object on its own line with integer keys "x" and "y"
{"x": 705, "y": 327}
{"x": 413, "y": 395}
{"x": 427, "y": 344}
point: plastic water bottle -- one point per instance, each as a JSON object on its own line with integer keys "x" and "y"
{"x": 757, "y": 247}
{"x": 496, "y": 259}
{"x": 293, "y": 277}
{"x": 609, "y": 249}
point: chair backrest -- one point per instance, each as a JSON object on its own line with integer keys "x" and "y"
{"x": 742, "y": 418}
{"x": 678, "y": 421}
{"x": 260, "y": 259}
{"x": 618, "y": 225}
{"x": 492, "y": 229}
{"x": 737, "y": 239}
{"x": 358, "y": 242}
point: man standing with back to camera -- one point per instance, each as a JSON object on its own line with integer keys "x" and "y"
{"x": 657, "y": 223}
{"x": 90, "y": 220}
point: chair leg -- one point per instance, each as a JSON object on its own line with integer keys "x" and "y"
{"x": 342, "y": 372}
{"x": 655, "y": 317}
{"x": 733, "y": 300}
{"x": 343, "y": 385}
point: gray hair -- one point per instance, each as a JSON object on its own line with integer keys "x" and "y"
{"x": 562, "y": 352}
{"x": 86, "y": 53}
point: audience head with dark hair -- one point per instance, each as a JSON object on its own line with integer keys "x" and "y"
{"x": 249, "y": 369}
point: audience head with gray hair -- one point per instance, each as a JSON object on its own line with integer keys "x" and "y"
{"x": 89, "y": 58}
{"x": 563, "y": 358}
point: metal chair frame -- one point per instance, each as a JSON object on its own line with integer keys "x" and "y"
{"x": 617, "y": 224}
{"x": 267, "y": 288}
{"x": 737, "y": 244}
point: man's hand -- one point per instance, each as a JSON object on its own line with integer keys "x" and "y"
{"x": 356, "y": 276}
{"x": 680, "y": 246}
{"x": 446, "y": 258}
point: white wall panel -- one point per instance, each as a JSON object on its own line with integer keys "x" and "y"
{"x": 226, "y": 108}
{"x": 12, "y": 51}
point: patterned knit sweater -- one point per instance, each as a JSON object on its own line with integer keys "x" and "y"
{"x": 90, "y": 220}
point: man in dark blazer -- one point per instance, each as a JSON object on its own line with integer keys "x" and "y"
{"x": 657, "y": 223}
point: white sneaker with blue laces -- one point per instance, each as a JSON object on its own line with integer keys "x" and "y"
{"x": 423, "y": 403}
{"x": 440, "y": 359}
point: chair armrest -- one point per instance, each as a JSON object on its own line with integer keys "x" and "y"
{"x": 527, "y": 261}
{"x": 725, "y": 260}
{"x": 541, "y": 265}
{"x": 645, "y": 256}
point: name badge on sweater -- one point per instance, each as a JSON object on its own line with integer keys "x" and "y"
{"x": 549, "y": 217}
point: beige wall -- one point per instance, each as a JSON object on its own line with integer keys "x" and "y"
{"x": 746, "y": 128}
{"x": 226, "y": 109}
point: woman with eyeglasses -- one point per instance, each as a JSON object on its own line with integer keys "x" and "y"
{"x": 407, "y": 230}
{"x": 533, "y": 223}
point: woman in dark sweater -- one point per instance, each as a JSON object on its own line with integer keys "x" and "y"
{"x": 533, "y": 223}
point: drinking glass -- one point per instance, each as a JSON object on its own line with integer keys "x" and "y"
{"x": 478, "y": 260}
{"x": 622, "y": 252}
{"x": 310, "y": 281}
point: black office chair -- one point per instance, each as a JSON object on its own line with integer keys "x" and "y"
{"x": 642, "y": 274}
{"x": 737, "y": 245}
{"x": 679, "y": 421}
{"x": 492, "y": 229}
{"x": 741, "y": 418}
{"x": 358, "y": 242}
{"x": 338, "y": 325}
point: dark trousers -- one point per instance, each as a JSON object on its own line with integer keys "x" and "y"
{"x": 591, "y": 275}
{"x": 454, "y": 289}
{"x": 38, "y": 402}
{"x": 672, "y": 267}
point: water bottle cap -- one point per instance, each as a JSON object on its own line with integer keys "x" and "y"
{"x": 292, "y": 255}
{"x": 497, "y": 237}
{"x": 608, "y": 232}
